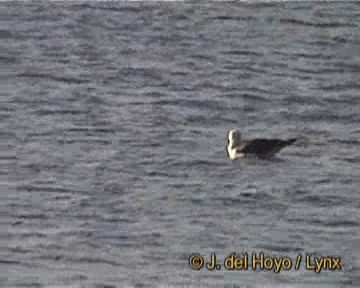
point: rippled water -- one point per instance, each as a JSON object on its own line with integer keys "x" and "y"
{"x": 113, "y": 129}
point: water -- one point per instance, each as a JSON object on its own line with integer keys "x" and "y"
{"x": 113, "y": 129}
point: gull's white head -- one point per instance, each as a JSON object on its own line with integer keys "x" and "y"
{"x": 234, "y": 137}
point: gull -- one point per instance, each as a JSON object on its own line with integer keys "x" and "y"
{"x": 261, "y": 147}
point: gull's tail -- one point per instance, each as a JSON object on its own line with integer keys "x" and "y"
{"x": 292, "y": 140}
{"x": 300, "y": 140}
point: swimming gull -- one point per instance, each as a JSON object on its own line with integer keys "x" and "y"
{"x": 261, "y": 147}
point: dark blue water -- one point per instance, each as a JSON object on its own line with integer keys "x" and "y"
{"x": 113, "y": 126}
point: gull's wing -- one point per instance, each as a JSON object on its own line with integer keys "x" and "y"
{"x": 265, "y": 146}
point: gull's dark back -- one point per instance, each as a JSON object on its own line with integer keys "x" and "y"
{"x": 265, "y": 147}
